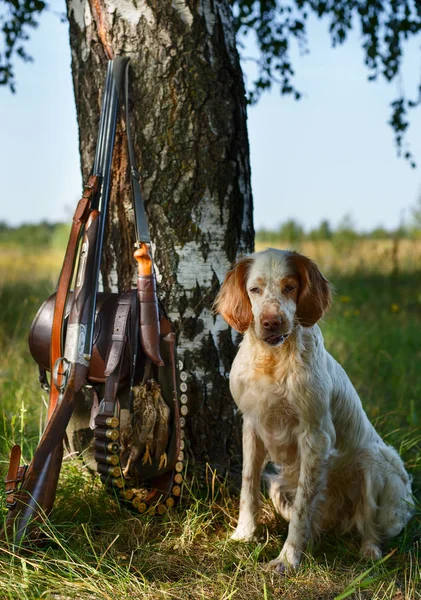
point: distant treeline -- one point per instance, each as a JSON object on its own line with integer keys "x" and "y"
{"x": 292, "y": 231}
{"x": 39, "y": 235}
{"x": 47, "y": 234}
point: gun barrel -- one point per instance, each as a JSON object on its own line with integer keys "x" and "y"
{"x": 99, "y": 151}
{"x": 104, "y": 169}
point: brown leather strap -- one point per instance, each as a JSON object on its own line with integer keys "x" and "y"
{"x": 116, "y": 352}
{"x": 79, "y": 218}
{"x": 14, "y": 475}
{"x": 119, "y": 335}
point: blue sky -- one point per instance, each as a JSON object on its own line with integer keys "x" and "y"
{"x": 330, "y": 154}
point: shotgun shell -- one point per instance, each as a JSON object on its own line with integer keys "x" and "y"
{"x": 170, "y": 502}
{"x": 114, "y": 471}
{"x": 111, "y": 459}
{"x": 107, "y": 470}
{"x": 103, "y": 446}
{"x": 178, "y": 478}
{"x": 184, "y": 410}
{"x": 179, "y": 467}
{"x": 183, "y": 387}
{"x": 128, "y": 494}
{"x": 110, "y": 434}
{"x": 161, "y": 509}
{"x": 176, "y": 490}
{"x": 180, "y": 456}
{"x": 112, "y": 481}
{"x": 106, "y": 421}
{"x": 183, "y": 376}
{"x": 139, "y": 504}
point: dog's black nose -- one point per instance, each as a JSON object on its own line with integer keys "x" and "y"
{"x": 272, "y": 324}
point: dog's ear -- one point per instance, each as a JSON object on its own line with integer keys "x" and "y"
{"x": 314, "y": 298}
{"x": 232, "y": 301}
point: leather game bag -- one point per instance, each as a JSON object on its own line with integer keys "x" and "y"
{"x": 150, "y": 481}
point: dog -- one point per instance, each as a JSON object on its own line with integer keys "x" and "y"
{"x": 302, "y": 413}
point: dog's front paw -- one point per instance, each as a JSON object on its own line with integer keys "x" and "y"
{"x": 288, "y": 561}
{"x": 371, "y": 550}
{"x": 244, "y": 534}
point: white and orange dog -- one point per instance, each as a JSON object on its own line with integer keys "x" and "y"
{"x": 301, "y": 412}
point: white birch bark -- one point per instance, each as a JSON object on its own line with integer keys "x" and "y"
{"x": 189, "y": 128}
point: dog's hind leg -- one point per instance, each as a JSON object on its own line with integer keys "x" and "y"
{"x": 281, "y": 498}
{"x": 386, "y": 502}
{"x": 365, "y": 516}
{"x": 395, "y": 502}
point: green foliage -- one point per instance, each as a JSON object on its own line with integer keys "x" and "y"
{"x": 322, "y": 232}
{"x": 385, "y": 28}
{"x": 346, "y": 229}
{"x": 378, "y": 233}
{"x": 291, "y": 231}
{"x": 346, "y": 232}
{"x": 415, "y": 220}
{"x": 16, "y": 18}
{"x": 35, "y": 236}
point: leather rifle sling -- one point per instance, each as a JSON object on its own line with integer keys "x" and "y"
{"x": 14, "y": 475}
{"x": 79, "y": 218}
{"x": 125, "y": 306}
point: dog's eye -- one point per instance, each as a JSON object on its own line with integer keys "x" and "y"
{"x": 288, "y": 289}
{"x": 255, "y": 290}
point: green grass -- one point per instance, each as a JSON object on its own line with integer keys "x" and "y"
{"x": 97, "y": 549}
{"x": 373, "y": 330}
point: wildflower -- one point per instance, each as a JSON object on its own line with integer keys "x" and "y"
{"x": 345, "y": 299}
{"x": 394, "y": 308}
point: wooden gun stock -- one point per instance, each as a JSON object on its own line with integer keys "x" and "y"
{"x": 35, "y": 498}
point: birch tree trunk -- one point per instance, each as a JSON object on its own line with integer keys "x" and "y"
{"x": 188, "y": 116}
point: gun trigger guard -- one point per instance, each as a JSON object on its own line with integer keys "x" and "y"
{"x": 60, "y": 377}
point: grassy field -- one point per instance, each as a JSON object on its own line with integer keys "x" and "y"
{"x": 100, "y": 550}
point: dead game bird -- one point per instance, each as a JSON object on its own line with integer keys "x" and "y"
{"x": 148, "y": 430}
{"x": 161, "y": 432}
{"x": 140, "y": 431}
